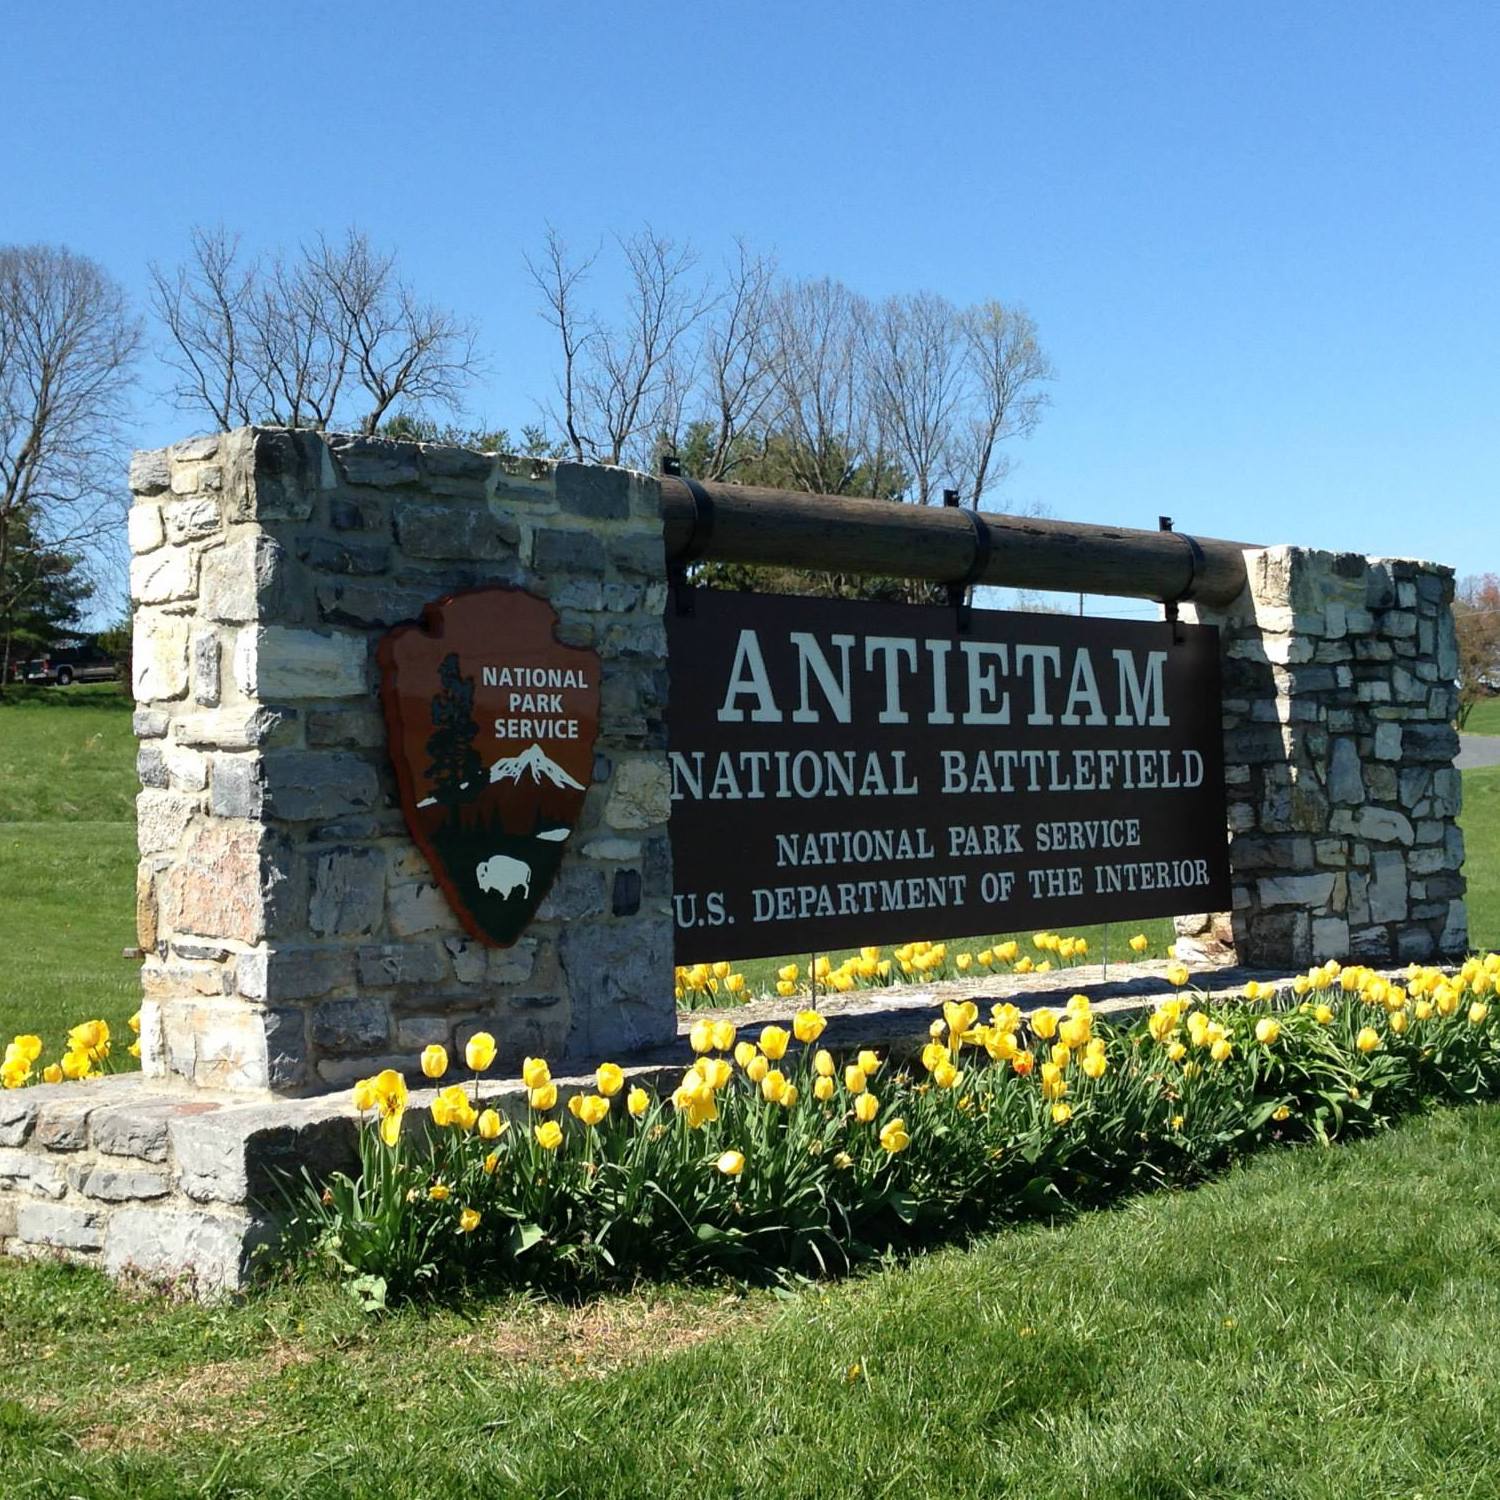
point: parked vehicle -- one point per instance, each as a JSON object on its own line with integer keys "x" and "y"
{"x": 82, "y": 662}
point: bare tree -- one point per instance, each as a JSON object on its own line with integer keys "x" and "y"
{"x": 298, "y": 339}
{"x": 832, "y": 427}
{"x": 623, "y": 382}
{"x": 737, "y": 382}
{"x": 1476, "y": 620}
{"x": 205, "y": 307}
{"x": 67, "y": 345}
{"x": 287, "y": 339}
{"x": 558, "y": 279}
{"x": 401, "y": 349}
{"x": 914, "y": 351}
{"x": 1007, "y": 369}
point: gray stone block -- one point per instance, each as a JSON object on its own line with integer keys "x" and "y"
{"x": 305, "y": 784}
{"x": 236, "y": 785}
{"x": 60, "y": 1225}
{"x": 357, "y": 512}
{"x": 1295, "y": 890}
{"x": 626, "y": 896}
{"x": 366, "y": 602}
{"x": 643, "y": 554}
{"x": 577, "y": 892}
{"x": 1387, "y": 892}
{"x": 210, "y": 1251}
{"x": 1430, "y": 742}
{"x": 150, "y": 472}
{"x": 348, "y": 892}
{"x": 619, "y": 978}
{"x": 459, "y": 529}
{"x": 63, "y": 1124}
{"x": 18, "y": 1112}
{"x": 401, "y": 963}
{"x": 601, "y": 494}
{"x": 131, "y": 1130}
{"x": 343, "y": 1026}
{"x": 32, "y": 1172}
{"x": 124, "y": 1186}
{"x": 567, "y": 552}
{"x": 358, "y": 557}
{"x": 379, "y": 462}
{"x": 151, "y": 767}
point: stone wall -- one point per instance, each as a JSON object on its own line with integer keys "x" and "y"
{"x": 294, "y": 935}
{"x": 1338, "y": 742}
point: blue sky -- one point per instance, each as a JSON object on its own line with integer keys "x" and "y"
{"x": 1259, "y": 240}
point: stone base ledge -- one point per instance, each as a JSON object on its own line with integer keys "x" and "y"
{"x": 141, "y": 1177}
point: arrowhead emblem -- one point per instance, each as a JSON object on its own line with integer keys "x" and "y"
{"x": 491, "y": 723}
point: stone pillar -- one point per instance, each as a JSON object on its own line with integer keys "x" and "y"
{"x": 1339, "y": 696}
{"x": 295, "y": 937}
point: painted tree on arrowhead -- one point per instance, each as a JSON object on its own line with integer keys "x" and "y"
{"x": 456, "y": 772}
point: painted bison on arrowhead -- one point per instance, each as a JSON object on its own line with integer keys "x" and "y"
{"x": 504, "y": 875}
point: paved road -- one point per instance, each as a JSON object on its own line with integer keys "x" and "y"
{"x": 1475, "y": 750}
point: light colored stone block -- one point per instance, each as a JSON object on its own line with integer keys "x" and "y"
{"x": 159, "y": 665}
{"x": 277, "y": 663}
{"x": 144, "y": 528}
{"x": 163, "y": 576}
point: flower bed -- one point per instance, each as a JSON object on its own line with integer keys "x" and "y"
{"x": 772, "y": 1157}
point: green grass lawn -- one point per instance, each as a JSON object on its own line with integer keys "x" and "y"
{"x": 1319, "y": 1324}
{"x": 1481, "y": 825}
{"x": 1484, "y": 717}
{"x": 67, "y": 859}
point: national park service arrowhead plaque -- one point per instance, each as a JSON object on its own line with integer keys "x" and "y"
{"x": 491, "y": 724}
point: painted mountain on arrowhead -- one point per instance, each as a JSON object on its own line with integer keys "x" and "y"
{"x": 536, "y": 763}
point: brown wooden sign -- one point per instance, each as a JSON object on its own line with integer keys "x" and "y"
{"x": 491, "y": 724}
{"x": 846, "y": 773}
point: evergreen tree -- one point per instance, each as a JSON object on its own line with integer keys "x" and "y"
{"x": 456, "y": 771}
{"x": 42, "y": 594}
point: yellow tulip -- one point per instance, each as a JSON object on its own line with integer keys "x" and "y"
{"x": 434, "y": 1060}
{"x": 592, "y": 1109}
{"x": 744, "y": 1051}
{"x": 1267, "y": 1030}
{"x": 1044, "y": 1023}
{"x": 1094, "y": 1065}
{"x": 731, "y": 1163}
{"x": 893, "y": 1136}
{"x": 52, "y": 1073}
{"x": 785, "y": 988}
{"x": 789, "y": 1096}
{"x": 773, "y": 1042}
{"x": 854, "y": 1079}
{"x": 638, "y": 1102}
{"x": 1368, "y": 1039}
{"x": 364, "y": 1092}
{"x": 610, "y": 1078}
{"x": 1139, "y": 944}
{"x": 701, "y": 1036}
{"x": 945, "y": 1075}
{"x": 960, "y": 1015}
{"x": 490, "y": 1163}
{"x": 866, "y": 1107}
{"x": 28, "y": 1048}
{"x": 544, "y": 1098}
{"x": 479, "y": 1051}
{"x": 75, "y": 1065}
{"x": 757, "y": 1068}
{"x": 1399, "y": 1022}
{"x": 1221, "y": 1051}
{"x": 787, "y": 973}
{"x": 535, "y": 1073}
{"x": 390, "y": 1126}
{"x": 438, "y": 1191}
{"x": 773, "y": 1086}
{"x": 1061, "y": 1113}
{"x": 491, "y": 1126}
{"x": 823, "y": 1089}
{"x": 1478, "y": 1013}
{"x": 807, "y": 1026}
{"x": 468, "y": 1221}
{"x": 1177, "y": 974}
{"x": 723, "y": 1034}
{"x": 549, "y": 1135}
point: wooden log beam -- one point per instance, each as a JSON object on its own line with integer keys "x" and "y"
{"x": 750, "y": 524}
